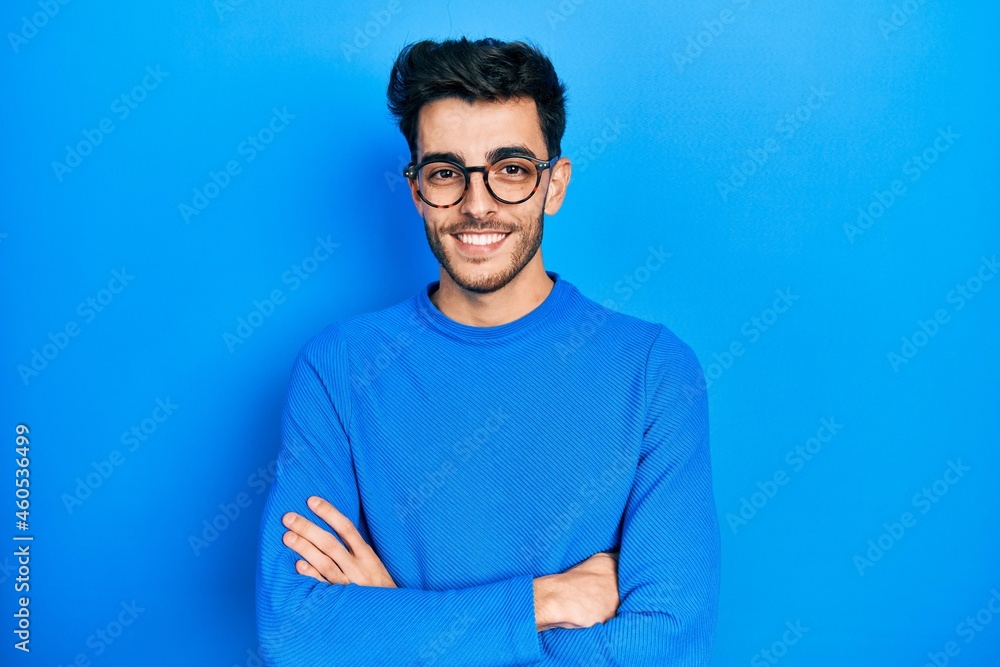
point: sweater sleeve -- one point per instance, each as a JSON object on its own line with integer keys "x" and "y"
{"x": 669, "y": 560}
{"x": 301, "y": 621}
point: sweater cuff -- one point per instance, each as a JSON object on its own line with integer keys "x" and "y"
{"x": 515, "y": 613}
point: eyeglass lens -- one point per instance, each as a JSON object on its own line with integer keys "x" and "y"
{"x": 511, "y": 179}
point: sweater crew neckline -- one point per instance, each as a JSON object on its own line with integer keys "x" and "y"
{"x": 469, "y": 332}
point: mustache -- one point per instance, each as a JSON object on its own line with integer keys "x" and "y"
{"x": 481, "y": 227}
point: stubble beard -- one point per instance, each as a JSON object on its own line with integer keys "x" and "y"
{"x": 526, "y": 245}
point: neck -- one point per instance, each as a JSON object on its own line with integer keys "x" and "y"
{"x": 520, "y": 296}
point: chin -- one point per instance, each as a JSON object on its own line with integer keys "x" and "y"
{"x": 480, "y": 282}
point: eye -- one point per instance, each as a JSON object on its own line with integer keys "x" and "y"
{"x": 442, "y": 173}
{"x": 514, "y": 169}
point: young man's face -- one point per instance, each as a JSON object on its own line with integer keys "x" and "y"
{"x": 470, "y": 131}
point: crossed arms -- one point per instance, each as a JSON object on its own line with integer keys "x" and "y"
{"x": 338, "y": 606}
{"x": 578, "y": 598}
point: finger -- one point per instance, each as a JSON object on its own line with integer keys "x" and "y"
{"x": 303, "y": 567}
{"x": 325, "y": 566}
{"x": 324, "y": 540}
{"x": 340, "y": 523}
{"x": 322, "y": 563}
{"x": 357, "y": 551}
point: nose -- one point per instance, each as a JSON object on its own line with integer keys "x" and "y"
{"x": 478, "y": 202}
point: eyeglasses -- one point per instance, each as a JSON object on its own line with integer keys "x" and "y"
{"x": 510, "y": 180}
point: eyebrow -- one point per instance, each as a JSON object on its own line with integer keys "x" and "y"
{"x": 492, "y": 156}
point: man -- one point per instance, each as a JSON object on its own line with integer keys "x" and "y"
{"x": 498, "y": 470}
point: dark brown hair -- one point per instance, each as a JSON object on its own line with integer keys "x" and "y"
{"x": 482, "y": 70}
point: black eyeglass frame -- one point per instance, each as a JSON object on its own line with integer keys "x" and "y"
{"x": 541, "y": 165}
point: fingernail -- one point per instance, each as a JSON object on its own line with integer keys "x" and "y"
{"x": 313, "y": 502}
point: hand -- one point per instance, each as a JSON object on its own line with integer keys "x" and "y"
{"x": 582, "y": 596}
{"x": 326, "y": 559}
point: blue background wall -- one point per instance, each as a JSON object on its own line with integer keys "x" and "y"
{"x": 745, "y": 137}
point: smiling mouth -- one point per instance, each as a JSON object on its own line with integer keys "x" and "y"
{"x": 481, "y": 238}
{"x": 479, "y": 243}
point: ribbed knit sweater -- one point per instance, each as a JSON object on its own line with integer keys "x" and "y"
{"x": 474, "y": 459}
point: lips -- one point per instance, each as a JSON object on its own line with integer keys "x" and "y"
{"x": 481, "y": 231}
{"x": 479, "y": 242}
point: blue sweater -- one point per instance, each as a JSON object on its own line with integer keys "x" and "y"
{"x": 474, "y": 459}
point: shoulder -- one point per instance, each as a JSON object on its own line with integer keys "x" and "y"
{"x": 674, "y": 375}
{"x": 332, "y": 344}
{"x": 669, "y": 352}
{"x": 618, "y": 327}
{"x": 670, "y": 363}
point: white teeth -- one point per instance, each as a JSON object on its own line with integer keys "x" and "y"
{"x": 480, "y": 239}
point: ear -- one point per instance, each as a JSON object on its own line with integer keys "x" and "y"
{"x": 561, "y": 172}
